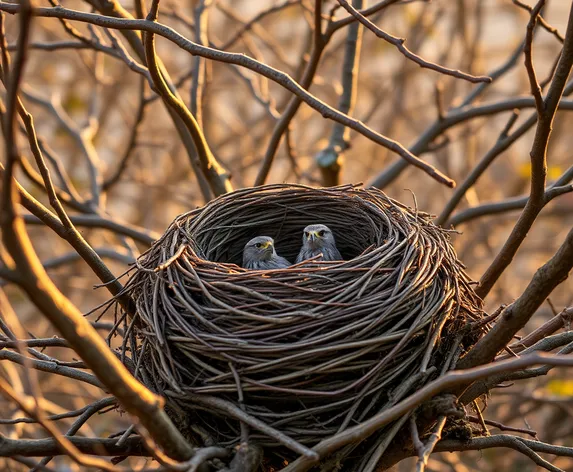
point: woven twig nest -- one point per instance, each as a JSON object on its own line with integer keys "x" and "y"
{"x": 308, "y": 350}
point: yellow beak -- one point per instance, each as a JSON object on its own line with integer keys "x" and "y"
{"x": 266, "y": 244}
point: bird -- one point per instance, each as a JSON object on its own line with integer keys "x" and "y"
{"x": 259, "y": 254}
{"x": 316, "y": 240}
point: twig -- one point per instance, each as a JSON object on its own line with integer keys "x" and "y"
{"x": 135, "y": 398}
{"x": 51, "y": 367}
{"x": 217, "y": 177}
{"x": 527, "y": 447}
{"x": 538, "y": 156}
{"x": 30, "y": 408}
{"x": 534, "y": 84}
{"x": 501, "y": 426}
{"x": 330, "y": 159}
{"x": 542, "y": 21}
{"x": 399, "y": 44}
{"x": 516, "y": 315}
{"x": 451, "y": 379}
{"x": 49, "y": 447}
{"x": 480, "y": 418}
{"x": 232, "y": 410}
{"x": 428, "y": 448}
{"x": 557, "y": 322}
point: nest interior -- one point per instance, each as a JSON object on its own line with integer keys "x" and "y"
{"x": 308, "y": 350}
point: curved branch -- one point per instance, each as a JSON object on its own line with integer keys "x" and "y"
{"x": 453, "y": 379}
{"x": 271, "y": 73}
{"x": 527, "y": 447}
{"x": 516, "y": 315}
{"x": 399, "y": 44}
{"x": 538, "y": 156}
{"x": 217, "y": 177}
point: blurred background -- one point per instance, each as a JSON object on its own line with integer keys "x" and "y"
{"x": 98, "y": 119}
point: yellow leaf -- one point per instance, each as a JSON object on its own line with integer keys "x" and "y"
{"x": 553, "y": 172}
{"x": 524, "y": 170}
{"x": 563, "y": 388}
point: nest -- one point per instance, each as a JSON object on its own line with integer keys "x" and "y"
{"x": 308, "y": 350}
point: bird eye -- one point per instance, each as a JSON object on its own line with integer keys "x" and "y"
{"x": 321, "y": 233}
{"x": 306, "y": 234}
{"x": 258, "y": 245}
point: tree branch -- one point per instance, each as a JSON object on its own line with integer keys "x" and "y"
{"x": 399, "y": 44}
{"x": 527, "y": 447}
{"x": 217, "y": 177}
{"x": 538, "y": 156}
{"x": 452, "y": 379}
{"x": 330, "y": 159}
{"x": 133, "y": 396}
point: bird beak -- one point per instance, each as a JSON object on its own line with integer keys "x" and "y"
{"x": 312, "y": 236}
{"x": 267, "y": 245}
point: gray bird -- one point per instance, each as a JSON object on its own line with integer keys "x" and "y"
{"x": 260, "y": 254}
{"x": 316, "y": 240}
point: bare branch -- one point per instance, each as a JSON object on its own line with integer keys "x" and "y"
{"x": 330, "y": 159}
{"x": 29, "y": 406}
{"x": 217, "y": 177}
{"x": 527, "y": 447}
{"x": 516, "y": 315}
{"x": 542, "y": 21}
{"x": 135, "y": 398}
{"x": 399, "y": 44}
{"x": 538, "y": 156}
{"x": 450, "y": 380}
{"x": 534, "y": 84}
{"x": 49, "y": 447}
{"x": 51, "y": 367}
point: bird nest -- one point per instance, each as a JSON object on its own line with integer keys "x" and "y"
{"x": 308, "y": 350}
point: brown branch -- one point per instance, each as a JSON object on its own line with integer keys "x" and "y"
{"x": 542, "y": 21}
{"x": 133, "y": 396}
{"x": 29, "y": 406}
{"x": 51, "y": 367}
{"x": 114, "y": 9}
{"x": 89, "y": 221}
{"x": 256, "y": 19}
{"x": 217, "y": 177}
{"x": 538, "y": 156}
{"x": 527, "y": 447}
{"x": 399, "y": 44}
{"x": 516, "y": 315}
{"x": 330, "y": 159}
{"x": 336, "y": 25}
{"x": 199, "y": 63}
{"x": 516, "y": 203}
{"x": 548, "y": 344}
{"x": 561, "y": 320}
{"x": 48, "y": 447}
{"x": 318, "y": 44}
{"x": 427, "y": 449}
{"x": 284, "y": 80}
{"x": 301, "y": 95}
{"x": 131, "y": 141}
{"x": 501, "y": 426}
{"x": 450, "y": 380}
{"x": 97, "y": 405}
{"x": 533, "y": 83}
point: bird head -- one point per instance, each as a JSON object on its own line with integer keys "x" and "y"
{"x": 260, "y": 248}
{"x": 318, "y": 236}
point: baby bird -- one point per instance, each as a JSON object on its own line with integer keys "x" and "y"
{"x": 318, "y": 239}
{"x": 260, "y": 254}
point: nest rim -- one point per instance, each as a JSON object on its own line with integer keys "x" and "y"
{"x": 411, "y": 339}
